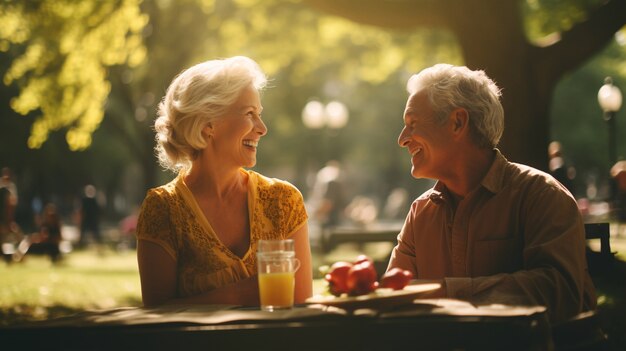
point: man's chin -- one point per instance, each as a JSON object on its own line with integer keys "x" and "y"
{"x": 415, "y": 173}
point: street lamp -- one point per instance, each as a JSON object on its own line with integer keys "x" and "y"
{"x": 332, "y": 116}
{"x": 610, "y": 100}
{"x": 316, "y": 115}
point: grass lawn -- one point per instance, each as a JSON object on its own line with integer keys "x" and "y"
{"x": 36, "y": 289}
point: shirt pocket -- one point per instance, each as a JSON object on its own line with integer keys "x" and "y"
{"x": 495, "y": 256}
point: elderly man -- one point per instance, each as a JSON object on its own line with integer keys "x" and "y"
{"x": 490, "y": 231}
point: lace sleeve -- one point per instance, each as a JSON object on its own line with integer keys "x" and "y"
{"x": 153, "y": 223}
{"x": 296, "y": 216}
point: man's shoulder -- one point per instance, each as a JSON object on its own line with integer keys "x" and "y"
{"x": 524, "y": 168}
{"x": 533, "y": 181}
{"x": 525, "y": 173}
{"x": 503, "y": 174}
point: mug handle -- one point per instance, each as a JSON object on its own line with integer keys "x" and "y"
{"x": 296, "y": 264}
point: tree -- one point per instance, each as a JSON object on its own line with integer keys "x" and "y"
{"x": 62, "y": 70}
{"x": 493, "y": 37}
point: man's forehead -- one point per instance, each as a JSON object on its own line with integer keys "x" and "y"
{"x": 417, "y": 101}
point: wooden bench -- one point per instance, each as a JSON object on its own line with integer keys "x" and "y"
{"x": 333, "y": 237}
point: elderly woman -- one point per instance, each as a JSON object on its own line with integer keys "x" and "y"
{"x": 197, "y": 235}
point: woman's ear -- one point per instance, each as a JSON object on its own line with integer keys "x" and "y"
{"x": 207, "y": 131}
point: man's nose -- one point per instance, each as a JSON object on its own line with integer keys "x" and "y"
{"x": 403, "y": 139}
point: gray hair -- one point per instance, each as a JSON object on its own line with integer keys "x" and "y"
{"x": 197, "y": 97}
{"x": 449, "y": 87}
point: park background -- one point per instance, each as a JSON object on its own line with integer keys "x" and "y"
{"x": 82, "y": 80}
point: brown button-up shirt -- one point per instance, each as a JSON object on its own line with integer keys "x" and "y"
{"x": 518, "y": 238}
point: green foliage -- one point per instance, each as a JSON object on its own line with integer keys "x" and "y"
{"x": 545, "y": 18}
{"x": 613, "y": 58}
{"x": 66, "y": 47}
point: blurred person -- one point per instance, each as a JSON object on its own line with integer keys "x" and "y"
{"x": 89, "y": 216}
{"x": 558, "y": 168}
{"x": 47, "y": 241}
{"x": 198, "y": 235}
{"x": 489, "y": 231}
{"x": 8, "y": 203}
{"x": 328, "y": 196}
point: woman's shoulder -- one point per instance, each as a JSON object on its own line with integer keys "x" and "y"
{"x": 279, "y": 202}
{"x": 273, "y": 186}
{"x": 165, "y": 190}
{"x": 161, "y": 195}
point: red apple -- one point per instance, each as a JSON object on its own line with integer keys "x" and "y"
{"x": 396, "y": 278}
{"x": 362, "y": 278}
{"x": 337, "y": 277}
{"x": 363, "y": 258}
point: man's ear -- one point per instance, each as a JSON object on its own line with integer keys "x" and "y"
{"x": 460, "y": 120}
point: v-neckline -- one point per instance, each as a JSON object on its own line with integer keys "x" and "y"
{"x": 190, "y": 199}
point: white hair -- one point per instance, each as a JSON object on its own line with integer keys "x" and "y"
{"x": 449, "y": 87}
{"x": 197, "y": 97}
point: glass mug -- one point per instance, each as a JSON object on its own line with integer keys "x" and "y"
{"x": 277, "y": 264}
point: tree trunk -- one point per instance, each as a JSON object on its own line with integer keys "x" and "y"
{"x": 507, "y": 58}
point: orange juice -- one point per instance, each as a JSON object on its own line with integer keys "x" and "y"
{"x": 276, "y": 290}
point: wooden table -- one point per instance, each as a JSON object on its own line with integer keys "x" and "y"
{"x": 425, "y": 325}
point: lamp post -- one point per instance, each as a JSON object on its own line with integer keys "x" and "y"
{"x": 332, "y": 117}
{"x": 610, "y": 100}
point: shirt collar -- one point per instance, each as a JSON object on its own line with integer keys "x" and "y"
{"x": 493, "y": 180}
{"x": 439, "y": 193}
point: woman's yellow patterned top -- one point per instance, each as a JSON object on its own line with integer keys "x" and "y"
{"x": 171, "y": 218}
